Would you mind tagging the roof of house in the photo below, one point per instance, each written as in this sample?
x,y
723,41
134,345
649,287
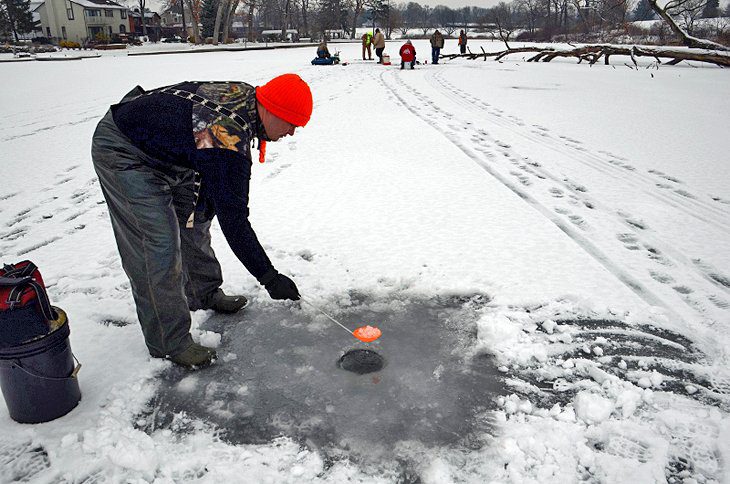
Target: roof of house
x,y
98,4
85,3
137,14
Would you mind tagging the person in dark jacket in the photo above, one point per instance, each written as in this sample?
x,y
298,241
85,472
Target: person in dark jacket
x,y
407,54
322,51
437,43
168,161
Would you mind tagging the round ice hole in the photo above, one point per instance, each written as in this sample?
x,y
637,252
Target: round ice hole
x,y
362,361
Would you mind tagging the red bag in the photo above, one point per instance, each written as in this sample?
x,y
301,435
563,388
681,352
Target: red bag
x,y
25,311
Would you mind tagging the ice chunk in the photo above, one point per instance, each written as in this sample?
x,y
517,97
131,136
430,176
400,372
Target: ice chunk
x,y
592,408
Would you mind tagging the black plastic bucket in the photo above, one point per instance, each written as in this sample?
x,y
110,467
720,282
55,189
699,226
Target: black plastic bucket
x,y
38,378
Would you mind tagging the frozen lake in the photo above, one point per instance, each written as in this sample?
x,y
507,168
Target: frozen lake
x,y
543,245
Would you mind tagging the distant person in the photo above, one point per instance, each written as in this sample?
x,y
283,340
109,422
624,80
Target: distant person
x,y
324,58
437,43
462,42
379,44
367,40
322,51
407,55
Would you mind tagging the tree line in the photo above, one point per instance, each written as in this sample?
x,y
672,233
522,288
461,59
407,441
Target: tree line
x,y
539,20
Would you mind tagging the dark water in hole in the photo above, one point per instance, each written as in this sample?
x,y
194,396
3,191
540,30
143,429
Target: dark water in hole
x,y
361,361
286,379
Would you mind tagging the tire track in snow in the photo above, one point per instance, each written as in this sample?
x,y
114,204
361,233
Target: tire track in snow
x,y
632,283
615,167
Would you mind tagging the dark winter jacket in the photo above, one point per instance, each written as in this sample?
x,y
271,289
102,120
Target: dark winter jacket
x,y
407,52
174,131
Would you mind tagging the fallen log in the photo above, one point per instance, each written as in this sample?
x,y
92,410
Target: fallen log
x,y
592,53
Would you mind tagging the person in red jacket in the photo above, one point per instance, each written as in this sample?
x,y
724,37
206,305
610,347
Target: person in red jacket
x,y
407,54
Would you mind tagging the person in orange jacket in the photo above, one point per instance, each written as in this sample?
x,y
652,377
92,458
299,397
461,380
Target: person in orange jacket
x,y
462,42
407,54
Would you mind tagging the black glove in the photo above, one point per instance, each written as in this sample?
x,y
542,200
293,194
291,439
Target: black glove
x,y
281,287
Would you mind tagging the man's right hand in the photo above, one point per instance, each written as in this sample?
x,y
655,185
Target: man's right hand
x,y
281,287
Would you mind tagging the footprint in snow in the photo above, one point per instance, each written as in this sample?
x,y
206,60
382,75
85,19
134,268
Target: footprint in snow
x,y
693,443
21,462
663,278
524,179
19,217
63,180
633,222
38,245
716,276
621,164
623,446
719,301
684,193
683,290
556,192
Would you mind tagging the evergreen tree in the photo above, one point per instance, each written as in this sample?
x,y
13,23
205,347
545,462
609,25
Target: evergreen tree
x,y
643,11
5,30
712,9
16,17
207,17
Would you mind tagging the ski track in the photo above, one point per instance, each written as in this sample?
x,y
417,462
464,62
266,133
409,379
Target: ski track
x,y
612,165
702,289
609,163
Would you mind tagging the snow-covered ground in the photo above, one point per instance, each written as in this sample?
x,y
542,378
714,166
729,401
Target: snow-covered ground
x,y
577,219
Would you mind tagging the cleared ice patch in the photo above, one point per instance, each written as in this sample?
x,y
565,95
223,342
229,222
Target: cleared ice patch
x,y
288,379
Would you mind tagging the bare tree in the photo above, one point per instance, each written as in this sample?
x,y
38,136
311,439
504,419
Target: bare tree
x,y
141,4
195,7
251,6
228,19
404,23
687,39
444,18
222,6
358,6
425,20
305,16
285,13
504,20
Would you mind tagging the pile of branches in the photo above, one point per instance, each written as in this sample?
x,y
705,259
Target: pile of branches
x,y
594,52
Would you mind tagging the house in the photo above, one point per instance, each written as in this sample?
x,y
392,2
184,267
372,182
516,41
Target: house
x,y
152,24
172,20
82,20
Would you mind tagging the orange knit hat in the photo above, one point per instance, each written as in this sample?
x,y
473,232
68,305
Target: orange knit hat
x,y
287,97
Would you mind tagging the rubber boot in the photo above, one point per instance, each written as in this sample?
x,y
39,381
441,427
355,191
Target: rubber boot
x,y
222,303
195,356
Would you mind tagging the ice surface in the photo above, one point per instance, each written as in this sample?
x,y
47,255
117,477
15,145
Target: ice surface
x,y
592,212
433,390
